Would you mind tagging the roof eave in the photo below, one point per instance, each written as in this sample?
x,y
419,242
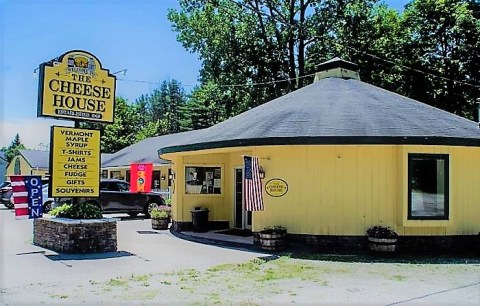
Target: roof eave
x,y
326,140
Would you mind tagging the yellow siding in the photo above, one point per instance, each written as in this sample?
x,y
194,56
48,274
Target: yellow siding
x,y
220,205
25,168
338,190
333,190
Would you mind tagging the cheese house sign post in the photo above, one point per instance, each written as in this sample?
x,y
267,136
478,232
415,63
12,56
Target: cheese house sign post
x,y
74,86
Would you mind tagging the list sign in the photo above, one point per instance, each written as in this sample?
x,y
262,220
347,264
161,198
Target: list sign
x,y
75,162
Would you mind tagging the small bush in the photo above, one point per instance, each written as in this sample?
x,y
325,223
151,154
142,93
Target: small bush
x,y
157,213
379,231
77,211
168,202
277,229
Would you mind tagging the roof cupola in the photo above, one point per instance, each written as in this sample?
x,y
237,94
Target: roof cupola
x,y
337,68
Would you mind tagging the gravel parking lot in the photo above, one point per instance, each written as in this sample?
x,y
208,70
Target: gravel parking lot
x,y
160,269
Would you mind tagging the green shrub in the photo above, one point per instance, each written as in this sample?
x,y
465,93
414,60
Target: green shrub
x,y
168,202
158,214
78,211
277,229
379,231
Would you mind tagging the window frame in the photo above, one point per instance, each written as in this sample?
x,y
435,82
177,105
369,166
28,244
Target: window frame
x,y
446,159
222,174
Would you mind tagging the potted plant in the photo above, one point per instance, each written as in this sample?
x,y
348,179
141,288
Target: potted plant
x,y
273,238
160,219
382,239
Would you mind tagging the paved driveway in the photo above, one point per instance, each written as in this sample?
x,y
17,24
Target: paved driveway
x,y
160,269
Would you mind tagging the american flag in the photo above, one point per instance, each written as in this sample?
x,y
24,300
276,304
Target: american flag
x,y
252,185
27,196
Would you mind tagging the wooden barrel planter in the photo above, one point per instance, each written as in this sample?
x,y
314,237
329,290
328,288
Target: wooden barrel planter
x,y
160,224
273,240
382,244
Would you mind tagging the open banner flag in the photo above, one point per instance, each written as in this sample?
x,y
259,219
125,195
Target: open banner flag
x,y
27,196
252,185
141,177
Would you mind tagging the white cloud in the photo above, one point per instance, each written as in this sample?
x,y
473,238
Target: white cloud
x,y
33,132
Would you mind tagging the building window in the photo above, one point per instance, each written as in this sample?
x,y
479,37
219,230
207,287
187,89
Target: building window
x,y
428,185
104,174
127,176
17,169
116,175
156,180
206,180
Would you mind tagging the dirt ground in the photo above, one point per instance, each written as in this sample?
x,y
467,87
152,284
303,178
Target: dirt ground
x,y
270,282
161,269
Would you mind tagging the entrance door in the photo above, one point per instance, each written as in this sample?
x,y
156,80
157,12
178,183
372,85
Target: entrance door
x,y
243,219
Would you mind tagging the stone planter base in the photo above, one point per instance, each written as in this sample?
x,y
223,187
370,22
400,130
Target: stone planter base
x,y
160,224
382,245
273,242
76,236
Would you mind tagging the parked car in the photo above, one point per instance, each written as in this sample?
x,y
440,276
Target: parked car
x,y
6,194
47,202
115,197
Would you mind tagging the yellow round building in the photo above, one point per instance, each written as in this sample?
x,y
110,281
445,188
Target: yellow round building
x,y
348,156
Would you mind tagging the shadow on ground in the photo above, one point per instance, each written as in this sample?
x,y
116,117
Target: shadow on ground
x,y
89,256
369,257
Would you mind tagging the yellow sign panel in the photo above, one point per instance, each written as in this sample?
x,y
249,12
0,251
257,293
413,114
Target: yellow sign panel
x,y
276,187
75,87
75,162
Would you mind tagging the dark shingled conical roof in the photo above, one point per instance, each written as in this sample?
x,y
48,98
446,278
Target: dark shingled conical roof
x,y
335,111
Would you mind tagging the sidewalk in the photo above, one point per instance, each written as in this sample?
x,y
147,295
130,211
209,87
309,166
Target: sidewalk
x,y
218,239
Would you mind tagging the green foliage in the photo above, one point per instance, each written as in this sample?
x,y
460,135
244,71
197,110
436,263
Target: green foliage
x,y
277,229
379,231
77,211
158,214
205,107
168,202
442,38
162,111
245,42
12,150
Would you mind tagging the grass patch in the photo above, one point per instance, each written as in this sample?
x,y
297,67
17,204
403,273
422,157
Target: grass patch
x,y
140,278
117,282
399,277
59,296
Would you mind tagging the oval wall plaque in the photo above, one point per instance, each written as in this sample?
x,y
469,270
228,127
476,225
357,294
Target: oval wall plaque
x,y
276,187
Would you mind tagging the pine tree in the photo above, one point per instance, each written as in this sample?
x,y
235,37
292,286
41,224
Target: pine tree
x,y
13,150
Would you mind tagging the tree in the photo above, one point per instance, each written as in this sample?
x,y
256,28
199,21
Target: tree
x,y
362,31
247,42
175,100
205,108
13,149
164,106
152,129
123,131
442,38
256,50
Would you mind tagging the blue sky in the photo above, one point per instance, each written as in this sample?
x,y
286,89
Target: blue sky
x,y
132,35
